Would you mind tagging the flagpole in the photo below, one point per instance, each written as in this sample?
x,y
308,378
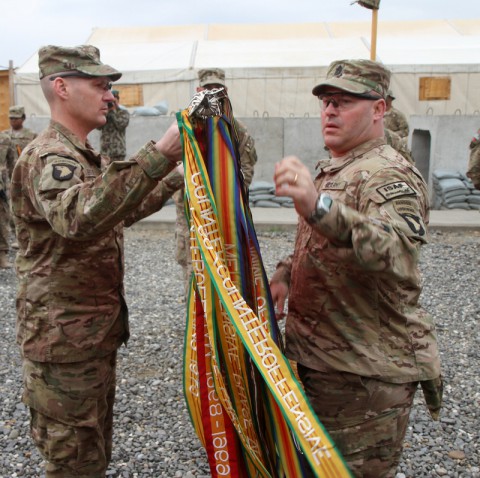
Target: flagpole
x,y
373,46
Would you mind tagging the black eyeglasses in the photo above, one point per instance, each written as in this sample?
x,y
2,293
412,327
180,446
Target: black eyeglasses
x,y
106,86
343,101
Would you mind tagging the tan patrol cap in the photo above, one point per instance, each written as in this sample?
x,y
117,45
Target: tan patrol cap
x,y
16,112
84,59
357,77
212,76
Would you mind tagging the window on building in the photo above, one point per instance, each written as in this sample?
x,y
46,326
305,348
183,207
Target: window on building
x,y
130,95
435,88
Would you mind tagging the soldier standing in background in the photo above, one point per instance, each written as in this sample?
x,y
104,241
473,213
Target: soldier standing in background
x,y
399,144
7,159
473,171
19,135
395,120
69,206
361,341
208,80
113,141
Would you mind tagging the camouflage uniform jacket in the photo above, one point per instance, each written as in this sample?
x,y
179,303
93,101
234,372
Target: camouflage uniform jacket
x,y
20,139
473,171
396,121
354,277
69,208
113,139
7,159
248,154
399,144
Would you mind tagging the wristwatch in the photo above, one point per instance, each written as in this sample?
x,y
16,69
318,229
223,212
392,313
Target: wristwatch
x,y
322,207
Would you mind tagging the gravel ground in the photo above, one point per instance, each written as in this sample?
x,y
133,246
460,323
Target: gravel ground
x,y
153,434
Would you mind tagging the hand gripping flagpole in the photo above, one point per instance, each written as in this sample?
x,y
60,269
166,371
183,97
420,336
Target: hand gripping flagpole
x,y
246,406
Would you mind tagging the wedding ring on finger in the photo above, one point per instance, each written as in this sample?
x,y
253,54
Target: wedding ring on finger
x,y
295,179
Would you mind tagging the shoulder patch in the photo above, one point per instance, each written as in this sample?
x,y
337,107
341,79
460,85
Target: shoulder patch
x,y
59,172
395,190
407,212
63,171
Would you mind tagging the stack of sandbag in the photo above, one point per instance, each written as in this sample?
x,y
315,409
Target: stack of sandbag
x,y
474,198
262,194
146,111
453,190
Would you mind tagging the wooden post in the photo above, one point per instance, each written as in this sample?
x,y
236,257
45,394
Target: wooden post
x,y
373,46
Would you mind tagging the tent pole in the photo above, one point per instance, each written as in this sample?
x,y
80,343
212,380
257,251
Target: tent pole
x,y
373,46
11,89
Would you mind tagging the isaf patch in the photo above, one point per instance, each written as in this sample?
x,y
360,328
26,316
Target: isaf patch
x,y
396,190
63,171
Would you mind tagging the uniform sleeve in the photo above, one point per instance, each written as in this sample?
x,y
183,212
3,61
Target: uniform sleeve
x,y
7,160
248,158
388,229
79,204
156,199
473,171
11,156
248,154
283,271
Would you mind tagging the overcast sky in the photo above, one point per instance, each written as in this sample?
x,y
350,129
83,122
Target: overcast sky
x,y
25,25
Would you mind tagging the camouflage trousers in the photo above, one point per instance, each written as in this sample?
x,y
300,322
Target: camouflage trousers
x,y
71,409
4,225
366,418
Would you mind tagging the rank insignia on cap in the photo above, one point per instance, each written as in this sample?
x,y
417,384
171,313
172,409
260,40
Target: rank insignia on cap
x,y
63,172
338,71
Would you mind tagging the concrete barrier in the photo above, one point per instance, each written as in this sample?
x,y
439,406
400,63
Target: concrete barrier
x,y
437,142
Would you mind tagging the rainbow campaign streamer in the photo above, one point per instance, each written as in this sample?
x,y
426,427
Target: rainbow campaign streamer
x,y
246,406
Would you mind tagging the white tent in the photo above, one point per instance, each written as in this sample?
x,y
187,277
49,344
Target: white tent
x,y
271,69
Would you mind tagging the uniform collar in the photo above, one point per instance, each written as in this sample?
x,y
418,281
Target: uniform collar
x,y
86,149
335,164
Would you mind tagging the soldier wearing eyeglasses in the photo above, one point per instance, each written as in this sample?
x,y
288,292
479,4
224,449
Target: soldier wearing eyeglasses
x,y
70,205
354,325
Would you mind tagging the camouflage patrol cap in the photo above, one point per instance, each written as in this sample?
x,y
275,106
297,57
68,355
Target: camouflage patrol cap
x,y
16,112
357,77
390,94
212,76
84,59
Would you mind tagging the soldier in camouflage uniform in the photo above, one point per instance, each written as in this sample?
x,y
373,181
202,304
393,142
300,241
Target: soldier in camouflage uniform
x,y
474,163
398,143
113,139
7,159
354,326
394,119
19,135
209,79
70,205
